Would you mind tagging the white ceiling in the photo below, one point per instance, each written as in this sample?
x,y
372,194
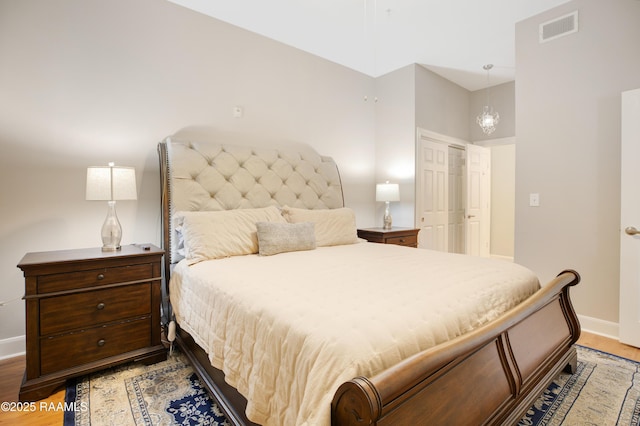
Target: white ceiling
x,y
453,38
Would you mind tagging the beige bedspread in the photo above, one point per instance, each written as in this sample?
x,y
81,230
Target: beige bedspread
x,y
288,329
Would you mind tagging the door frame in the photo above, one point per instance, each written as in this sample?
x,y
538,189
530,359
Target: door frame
x,y
629,302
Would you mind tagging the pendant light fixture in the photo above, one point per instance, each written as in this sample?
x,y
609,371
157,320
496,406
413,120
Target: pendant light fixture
x,y
488,119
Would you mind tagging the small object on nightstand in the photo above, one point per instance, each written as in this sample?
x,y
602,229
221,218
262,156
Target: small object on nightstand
x,y
399,236
87,310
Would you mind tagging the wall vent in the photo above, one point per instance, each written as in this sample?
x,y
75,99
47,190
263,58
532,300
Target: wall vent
x,y
559,27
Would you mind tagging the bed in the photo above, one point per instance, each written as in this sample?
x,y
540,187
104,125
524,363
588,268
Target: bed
x,y
289,318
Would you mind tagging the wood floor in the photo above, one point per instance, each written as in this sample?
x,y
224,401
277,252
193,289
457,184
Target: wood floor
x,y
47,411
11,372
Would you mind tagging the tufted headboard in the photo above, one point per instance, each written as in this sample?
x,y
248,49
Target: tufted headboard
x,y
205,176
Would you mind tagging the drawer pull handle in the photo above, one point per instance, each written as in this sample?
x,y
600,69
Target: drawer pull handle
x,y
100,306
402,240
100,277
101,342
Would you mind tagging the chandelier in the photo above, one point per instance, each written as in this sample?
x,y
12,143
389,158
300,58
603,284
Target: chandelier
x,y
488,119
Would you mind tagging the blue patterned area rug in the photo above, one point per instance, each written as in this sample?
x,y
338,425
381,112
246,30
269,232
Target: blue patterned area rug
x,y
604,391
166,393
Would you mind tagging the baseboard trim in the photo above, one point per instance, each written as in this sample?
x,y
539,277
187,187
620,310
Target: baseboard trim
x,y
501,257
12,347
600,327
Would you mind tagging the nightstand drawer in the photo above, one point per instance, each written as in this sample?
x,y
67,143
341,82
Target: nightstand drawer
x,y
81,310
93,277
70,350
409,240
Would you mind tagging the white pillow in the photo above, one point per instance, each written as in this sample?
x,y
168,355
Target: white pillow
x,y
274,237
218,234
332,227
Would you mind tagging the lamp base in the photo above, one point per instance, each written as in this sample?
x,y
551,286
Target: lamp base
x,y
386,224
111,230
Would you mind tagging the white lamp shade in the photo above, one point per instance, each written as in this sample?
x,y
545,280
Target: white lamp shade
x,y
111,183
387,192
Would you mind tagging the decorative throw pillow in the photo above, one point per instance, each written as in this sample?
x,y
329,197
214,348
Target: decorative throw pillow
x,y
218,234
274,237
332,226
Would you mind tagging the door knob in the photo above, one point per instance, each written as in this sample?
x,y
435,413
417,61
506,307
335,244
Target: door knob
x,y
631,230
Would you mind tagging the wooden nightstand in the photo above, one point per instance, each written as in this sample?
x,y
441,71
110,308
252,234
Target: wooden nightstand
x,y
87,310
400,236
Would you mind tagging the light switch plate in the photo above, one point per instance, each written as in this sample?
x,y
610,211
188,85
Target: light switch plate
x,y
534,200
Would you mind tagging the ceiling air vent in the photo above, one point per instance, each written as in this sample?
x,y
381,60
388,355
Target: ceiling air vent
x,y
559,27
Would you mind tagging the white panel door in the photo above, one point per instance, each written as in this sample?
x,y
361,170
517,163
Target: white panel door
x,y
457,182
478,208
434,183
630,220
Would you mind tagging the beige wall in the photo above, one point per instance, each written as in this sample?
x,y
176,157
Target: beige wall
x,y
84,82
568,147
503,183
502,98
441,105
395,141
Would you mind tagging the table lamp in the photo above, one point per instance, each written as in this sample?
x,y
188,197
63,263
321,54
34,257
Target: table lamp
x,y
387,192
111,183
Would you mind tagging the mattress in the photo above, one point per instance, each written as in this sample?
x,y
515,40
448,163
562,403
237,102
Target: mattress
x,y
288,329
